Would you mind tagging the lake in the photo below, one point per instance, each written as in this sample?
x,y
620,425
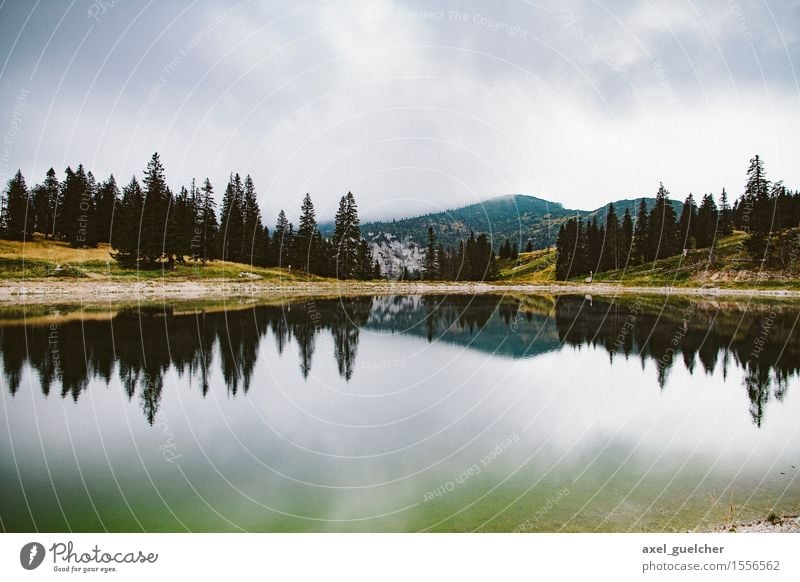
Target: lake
x,y
400,413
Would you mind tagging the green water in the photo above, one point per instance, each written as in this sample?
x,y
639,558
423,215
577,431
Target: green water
x,y
401,413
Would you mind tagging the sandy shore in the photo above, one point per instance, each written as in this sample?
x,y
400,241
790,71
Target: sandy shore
x,y
83,291
786,524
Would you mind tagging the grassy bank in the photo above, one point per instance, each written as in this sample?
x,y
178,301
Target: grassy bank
x,y
41,270
727,267
55,260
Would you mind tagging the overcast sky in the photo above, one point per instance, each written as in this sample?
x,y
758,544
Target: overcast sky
x,y
414,106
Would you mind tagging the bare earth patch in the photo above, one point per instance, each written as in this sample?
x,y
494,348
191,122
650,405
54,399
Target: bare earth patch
x,y
95,290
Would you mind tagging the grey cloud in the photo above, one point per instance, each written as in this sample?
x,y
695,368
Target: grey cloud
x,y
413,105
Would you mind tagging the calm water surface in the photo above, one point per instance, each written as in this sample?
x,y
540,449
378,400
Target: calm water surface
x,y
400,413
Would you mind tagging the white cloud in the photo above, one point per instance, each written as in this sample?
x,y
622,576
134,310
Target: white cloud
x,y
418,110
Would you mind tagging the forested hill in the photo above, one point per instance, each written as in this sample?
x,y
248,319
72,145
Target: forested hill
x,y
516,217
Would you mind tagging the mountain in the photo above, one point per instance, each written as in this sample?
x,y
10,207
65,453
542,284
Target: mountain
x,y
399,243
514,216
477,322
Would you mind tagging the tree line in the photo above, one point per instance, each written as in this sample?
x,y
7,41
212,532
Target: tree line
x,y
766,210
149,226
470,260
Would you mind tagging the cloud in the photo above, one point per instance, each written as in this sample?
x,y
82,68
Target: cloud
x,y
412,105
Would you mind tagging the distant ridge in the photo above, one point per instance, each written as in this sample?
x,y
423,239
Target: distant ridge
x,y
517,217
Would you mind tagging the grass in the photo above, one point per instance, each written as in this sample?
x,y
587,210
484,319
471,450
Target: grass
x,y
533,267
774,518
729,267
40,259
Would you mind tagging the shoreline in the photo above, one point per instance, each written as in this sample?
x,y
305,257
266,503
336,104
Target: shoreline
x,y
82,291
783,524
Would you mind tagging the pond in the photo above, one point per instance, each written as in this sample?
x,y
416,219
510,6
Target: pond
x,y
400,413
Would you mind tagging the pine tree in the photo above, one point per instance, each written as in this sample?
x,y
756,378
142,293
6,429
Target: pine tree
x,y
303,249
207,247
251,223
76,216
567,249
594,244
445,262
45,202
505,250
180,225
364,264
707,222
106,198
320,257
757,210
155,213
346,237
38,206
529,246
125,235
19,217
641,252
484,261
232,219
626,238
472,268
281,241
432,266
725,215
611,245
687,224
662,233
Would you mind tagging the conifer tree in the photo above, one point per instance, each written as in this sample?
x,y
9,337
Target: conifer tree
x,y
106,198
207,248
707,222
19,217
155,213
662,231
76,216
593,247
53,188
432,266
641,252
758,209
725,215
346,237
505,250
252,226
626,238
45,202
567,250
687,224
303,247
320,258
364,264
232,221
180,225
125,235
611,245
483,259
281,241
